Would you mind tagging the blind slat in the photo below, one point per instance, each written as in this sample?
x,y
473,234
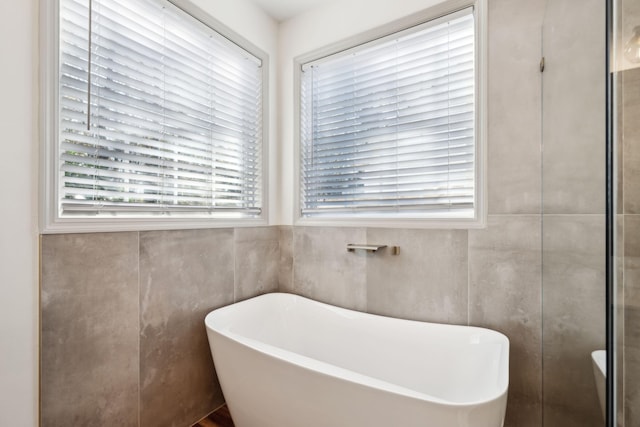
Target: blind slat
x,y
358,179
408,67
390,127
436,127
186,142
403,144
176,113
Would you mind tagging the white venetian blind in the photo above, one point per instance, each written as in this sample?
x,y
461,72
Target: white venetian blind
x,y
158,113
388,128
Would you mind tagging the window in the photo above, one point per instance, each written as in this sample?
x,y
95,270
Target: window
x,y
389,129
158,115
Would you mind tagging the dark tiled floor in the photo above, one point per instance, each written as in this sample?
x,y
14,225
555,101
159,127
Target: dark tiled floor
x,y
219,418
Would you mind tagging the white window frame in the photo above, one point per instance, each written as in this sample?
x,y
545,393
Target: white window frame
x,y
50,219
480,208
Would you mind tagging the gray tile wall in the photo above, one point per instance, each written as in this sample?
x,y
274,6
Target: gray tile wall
x,y
515,105
574,107
183,276
322,272
430,288
574,317
573,178
89,337
629,321
619,313
489,277
630,111
257,261
631,345
123,337
505,295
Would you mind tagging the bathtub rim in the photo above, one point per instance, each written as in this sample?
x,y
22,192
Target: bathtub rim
x,y
328,369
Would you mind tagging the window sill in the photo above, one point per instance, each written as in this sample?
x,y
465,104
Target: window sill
x,y
101,225
432,223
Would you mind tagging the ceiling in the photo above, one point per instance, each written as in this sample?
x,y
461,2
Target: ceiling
x,y
281,10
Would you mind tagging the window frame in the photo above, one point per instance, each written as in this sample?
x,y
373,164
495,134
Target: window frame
x,y
50,220
435,12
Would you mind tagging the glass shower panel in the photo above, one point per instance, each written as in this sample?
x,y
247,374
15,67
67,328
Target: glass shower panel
x,y
625,65
573,209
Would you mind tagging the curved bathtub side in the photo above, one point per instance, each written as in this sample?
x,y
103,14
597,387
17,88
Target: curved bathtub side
x,y
263,390
266,382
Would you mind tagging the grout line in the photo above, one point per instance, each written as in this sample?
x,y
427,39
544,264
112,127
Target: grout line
x,y
39,334
542,215
469,278
207,415
139,334
622,322
366,272
293,261
280,270
542,323
235,231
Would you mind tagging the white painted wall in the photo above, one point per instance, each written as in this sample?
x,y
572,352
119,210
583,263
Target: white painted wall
x,y
319,27
18,218
252,23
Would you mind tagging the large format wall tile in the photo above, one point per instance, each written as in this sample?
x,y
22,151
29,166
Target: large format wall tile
x,y
632,262
285,274
619,313
619,146
632,386
514,106
505,295
183,276
426,281
574,313
630,127
325,271
574,107
89,335
632,319
257,261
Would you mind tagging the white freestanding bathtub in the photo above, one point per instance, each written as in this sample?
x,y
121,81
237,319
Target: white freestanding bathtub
x,y
287,361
